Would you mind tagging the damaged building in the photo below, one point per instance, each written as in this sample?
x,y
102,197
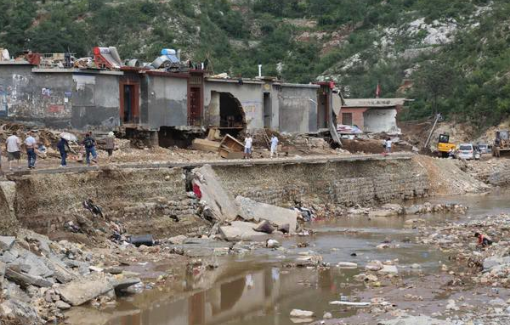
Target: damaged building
x,y
372,115
114,96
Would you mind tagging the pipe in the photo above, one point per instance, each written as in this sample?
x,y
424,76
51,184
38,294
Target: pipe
x,y
260,70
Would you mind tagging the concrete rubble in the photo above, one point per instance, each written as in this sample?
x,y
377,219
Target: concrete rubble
x,y
40,278
214,196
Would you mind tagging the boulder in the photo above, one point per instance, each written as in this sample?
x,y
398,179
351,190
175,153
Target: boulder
x,y
177,240
254,211
221,204
240,230
85,289
265,227
62,305
374,266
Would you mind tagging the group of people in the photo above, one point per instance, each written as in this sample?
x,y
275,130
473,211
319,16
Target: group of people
x,y
248,146
13,147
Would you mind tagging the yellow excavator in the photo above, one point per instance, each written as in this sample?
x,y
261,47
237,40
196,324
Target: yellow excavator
x,y
444,147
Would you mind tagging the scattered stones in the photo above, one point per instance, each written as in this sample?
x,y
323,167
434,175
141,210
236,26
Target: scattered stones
x,y
6,242
327,315
62,305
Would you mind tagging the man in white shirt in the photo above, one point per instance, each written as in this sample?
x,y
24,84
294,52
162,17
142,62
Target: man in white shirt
x,y
13,144
274,146
31,143
248,141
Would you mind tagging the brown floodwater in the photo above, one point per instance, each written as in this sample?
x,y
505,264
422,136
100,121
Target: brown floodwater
x,y
256,288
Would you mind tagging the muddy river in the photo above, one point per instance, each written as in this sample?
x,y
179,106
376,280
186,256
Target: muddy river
x,y
256,288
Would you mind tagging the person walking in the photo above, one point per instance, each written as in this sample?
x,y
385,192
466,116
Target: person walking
x,y
274,146
30,144
388,145
248,143
13,144
110,145
90,148
63,147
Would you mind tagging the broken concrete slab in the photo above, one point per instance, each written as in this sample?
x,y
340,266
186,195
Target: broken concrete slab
x,y
25,280
221,203
239,230
254,211
85,289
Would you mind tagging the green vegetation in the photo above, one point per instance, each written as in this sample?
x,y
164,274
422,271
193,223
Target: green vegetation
x,y
466,79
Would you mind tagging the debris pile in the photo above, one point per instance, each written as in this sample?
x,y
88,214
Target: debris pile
x,y
486,265
42,278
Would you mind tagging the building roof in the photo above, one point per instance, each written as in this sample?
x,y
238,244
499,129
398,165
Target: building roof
x,y
374,102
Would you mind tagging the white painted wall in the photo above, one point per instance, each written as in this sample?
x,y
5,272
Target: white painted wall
x,y
381,120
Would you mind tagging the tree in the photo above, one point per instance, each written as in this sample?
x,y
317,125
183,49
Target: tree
x,y
433,81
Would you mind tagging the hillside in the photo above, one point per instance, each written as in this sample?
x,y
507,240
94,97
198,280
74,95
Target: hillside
x,y
451,56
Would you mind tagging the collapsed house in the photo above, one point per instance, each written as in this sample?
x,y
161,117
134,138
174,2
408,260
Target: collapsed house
x,y
372,115
113,95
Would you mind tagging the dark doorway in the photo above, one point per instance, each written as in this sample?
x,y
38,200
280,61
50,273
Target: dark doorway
x,y
129,103
232,120
322,109
347,119
268,111
195,106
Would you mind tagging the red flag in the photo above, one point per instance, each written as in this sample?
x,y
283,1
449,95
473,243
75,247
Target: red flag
x,y
378,91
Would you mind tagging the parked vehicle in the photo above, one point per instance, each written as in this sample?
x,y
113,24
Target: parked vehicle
x,y
468,151
484,148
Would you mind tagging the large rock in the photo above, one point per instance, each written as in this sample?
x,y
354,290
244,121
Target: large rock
x,y
6,242
493,261
254,211
36,265
22,312
82,290
25,280
239,230
220,202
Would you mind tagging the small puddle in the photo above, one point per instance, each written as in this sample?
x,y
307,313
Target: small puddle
x,y
257,289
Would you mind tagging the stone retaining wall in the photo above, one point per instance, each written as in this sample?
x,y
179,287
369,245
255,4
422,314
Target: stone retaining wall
x,y
149,198
344,183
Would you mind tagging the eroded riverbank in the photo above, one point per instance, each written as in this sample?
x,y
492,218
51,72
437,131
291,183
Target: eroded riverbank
x,y
261,287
